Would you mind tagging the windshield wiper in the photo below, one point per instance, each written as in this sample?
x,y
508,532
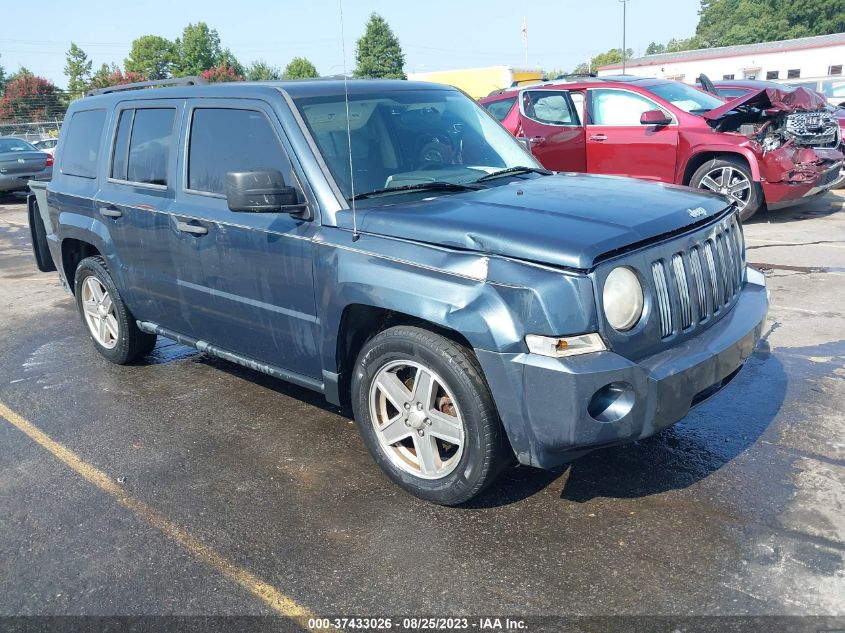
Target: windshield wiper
x,y
437,185
515,171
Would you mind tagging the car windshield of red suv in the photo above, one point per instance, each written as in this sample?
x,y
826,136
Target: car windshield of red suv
x,y
686,97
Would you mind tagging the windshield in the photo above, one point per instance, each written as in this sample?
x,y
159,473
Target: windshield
x,y
408,137
14,145
686,97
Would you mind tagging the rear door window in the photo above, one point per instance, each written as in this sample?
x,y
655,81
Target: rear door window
x,y
224,140
142,146
81,146
551,107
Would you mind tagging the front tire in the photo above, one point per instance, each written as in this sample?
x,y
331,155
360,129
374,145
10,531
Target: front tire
x,y
426,415
731,177
110,323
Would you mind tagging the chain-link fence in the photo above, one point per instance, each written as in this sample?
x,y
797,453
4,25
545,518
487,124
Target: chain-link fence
x,y
31,130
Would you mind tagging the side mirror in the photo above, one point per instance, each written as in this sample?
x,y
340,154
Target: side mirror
x,y
655,117
261,191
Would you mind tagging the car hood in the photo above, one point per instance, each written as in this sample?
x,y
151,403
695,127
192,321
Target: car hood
x,y
773,100
567,220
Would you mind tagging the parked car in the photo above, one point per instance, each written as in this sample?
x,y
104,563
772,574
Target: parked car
x,y
731,89
20,162
401,252
754,151
46,145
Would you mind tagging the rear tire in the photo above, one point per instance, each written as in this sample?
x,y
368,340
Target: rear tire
x,y
110,323
425,412
731,177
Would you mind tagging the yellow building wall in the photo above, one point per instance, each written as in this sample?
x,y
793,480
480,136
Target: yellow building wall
x,y
479,82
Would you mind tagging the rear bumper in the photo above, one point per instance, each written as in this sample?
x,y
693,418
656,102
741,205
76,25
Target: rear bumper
x,y
19,182
545,402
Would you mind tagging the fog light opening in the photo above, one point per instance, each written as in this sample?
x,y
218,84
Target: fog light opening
x,y
612,402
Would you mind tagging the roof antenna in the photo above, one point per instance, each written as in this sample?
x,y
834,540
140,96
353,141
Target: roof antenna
x,y
355,234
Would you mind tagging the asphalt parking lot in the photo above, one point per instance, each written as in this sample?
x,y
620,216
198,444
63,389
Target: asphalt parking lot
x,y
198,484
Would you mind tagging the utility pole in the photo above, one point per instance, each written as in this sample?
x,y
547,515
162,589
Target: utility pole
x,y
624,28
525,39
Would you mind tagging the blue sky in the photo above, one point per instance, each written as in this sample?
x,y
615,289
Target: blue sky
x,y
435,34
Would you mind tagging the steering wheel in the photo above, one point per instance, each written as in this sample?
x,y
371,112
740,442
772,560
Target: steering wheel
x,y
434,155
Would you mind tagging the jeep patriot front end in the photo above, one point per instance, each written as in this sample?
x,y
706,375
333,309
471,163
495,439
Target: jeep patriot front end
x,y
389,244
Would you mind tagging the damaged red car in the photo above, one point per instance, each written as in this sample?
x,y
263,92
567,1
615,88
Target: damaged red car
x,y
769,148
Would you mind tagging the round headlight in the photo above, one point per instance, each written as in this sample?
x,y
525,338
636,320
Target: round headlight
x,y
623,299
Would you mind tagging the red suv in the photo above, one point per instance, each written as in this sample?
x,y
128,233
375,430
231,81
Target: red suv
x,y
770,147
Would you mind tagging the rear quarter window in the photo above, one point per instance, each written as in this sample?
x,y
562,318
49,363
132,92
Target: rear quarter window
x,y
81,149
500,109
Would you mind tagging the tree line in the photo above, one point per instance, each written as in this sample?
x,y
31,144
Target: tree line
x,y
197,52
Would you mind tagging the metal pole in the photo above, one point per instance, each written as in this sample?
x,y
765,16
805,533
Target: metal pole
x,y
624,29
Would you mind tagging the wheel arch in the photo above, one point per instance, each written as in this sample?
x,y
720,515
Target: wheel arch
x,y
74,250
704,155
360,322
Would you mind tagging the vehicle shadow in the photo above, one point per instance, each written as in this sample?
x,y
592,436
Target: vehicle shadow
x,y
708,438
821,207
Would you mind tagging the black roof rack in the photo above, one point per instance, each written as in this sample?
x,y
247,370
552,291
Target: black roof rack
x,y
138,85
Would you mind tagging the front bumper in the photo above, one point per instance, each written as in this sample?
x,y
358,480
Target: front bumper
x,y
783,194
543,402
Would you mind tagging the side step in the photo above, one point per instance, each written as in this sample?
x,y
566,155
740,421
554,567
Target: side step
x,y
245,361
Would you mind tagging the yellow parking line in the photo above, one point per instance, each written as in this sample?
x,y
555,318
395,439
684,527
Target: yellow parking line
x,y
274,598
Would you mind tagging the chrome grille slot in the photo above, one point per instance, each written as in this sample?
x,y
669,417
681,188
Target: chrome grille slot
x,y
698,277
683,290
730,247
716,297
694,285
723,268
662,290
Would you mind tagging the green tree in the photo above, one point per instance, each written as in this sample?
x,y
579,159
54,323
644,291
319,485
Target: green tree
x,y
613,56
378,52
259,70
198,50
227,59
300,68
77,70
2,78
151,56
111,75
655,49
730,22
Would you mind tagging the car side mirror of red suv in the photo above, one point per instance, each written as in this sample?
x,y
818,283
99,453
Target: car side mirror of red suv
x,y
655,117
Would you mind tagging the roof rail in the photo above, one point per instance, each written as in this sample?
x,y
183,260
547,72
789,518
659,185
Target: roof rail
x,y
138,85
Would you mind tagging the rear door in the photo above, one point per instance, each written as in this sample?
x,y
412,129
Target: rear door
x,y
551,123
618,144
257,277
135,201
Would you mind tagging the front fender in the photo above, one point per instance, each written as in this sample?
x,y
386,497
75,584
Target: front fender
x,y
719,148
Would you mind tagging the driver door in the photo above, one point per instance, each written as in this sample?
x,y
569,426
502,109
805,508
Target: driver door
x,y
552,126
618,144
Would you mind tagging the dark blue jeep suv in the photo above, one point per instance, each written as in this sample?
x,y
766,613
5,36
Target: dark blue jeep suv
x,y
389,244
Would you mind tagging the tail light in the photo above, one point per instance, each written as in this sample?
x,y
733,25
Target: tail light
x,y
49,160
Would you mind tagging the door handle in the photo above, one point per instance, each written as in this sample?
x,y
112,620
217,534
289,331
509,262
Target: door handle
x,y
537,139
598,137
111,212
193,229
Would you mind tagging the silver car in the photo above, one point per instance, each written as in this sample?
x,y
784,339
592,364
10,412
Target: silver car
x,y
20,162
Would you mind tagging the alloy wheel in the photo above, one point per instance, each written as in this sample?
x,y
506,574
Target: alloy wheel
x,y
728,181
99,311
416,419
